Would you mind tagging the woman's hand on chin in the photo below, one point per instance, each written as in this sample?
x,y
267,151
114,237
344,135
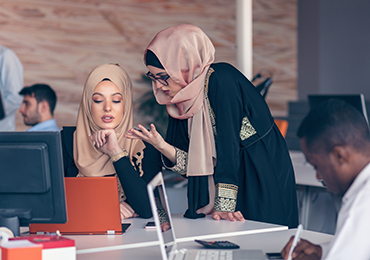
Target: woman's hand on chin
x,y
106,142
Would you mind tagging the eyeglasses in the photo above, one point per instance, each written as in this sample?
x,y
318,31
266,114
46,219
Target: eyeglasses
x,y
160,79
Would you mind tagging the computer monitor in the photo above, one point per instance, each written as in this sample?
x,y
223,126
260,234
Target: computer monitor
x,y
356,100
31,179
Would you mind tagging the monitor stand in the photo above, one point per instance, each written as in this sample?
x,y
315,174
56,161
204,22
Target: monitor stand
x,y
9,218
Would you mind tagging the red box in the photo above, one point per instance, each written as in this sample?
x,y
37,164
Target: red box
x,y
54,247
20,249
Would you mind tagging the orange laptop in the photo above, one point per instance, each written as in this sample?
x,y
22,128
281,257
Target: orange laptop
x,y
92,208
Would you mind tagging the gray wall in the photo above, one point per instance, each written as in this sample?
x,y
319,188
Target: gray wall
x,y
333,47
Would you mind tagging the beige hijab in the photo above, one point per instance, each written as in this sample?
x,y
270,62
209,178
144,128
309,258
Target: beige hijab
x,y
90,161
186,54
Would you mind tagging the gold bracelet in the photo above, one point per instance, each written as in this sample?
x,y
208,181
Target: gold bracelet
x,y
116,157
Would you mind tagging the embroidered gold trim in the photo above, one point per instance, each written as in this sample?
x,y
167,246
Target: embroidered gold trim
x,y
211,112
139,156
116,157
121,193
181,162
163,217
247,130
226,195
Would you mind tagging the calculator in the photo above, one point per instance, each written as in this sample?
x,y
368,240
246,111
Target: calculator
x,y
217,244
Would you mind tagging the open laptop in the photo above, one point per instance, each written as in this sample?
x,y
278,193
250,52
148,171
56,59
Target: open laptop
x,y
167,240
92,208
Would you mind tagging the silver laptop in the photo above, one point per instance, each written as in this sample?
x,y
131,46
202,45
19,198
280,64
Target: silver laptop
x,y
167,240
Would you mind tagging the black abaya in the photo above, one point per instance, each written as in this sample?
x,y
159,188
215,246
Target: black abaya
x,y
255,159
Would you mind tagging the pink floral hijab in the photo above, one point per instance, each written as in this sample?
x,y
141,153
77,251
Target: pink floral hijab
x,y
186,54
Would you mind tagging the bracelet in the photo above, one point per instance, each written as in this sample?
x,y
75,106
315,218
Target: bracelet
x,y
116,157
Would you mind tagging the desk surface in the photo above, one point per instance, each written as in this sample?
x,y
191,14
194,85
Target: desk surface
x,y
268,242
185,230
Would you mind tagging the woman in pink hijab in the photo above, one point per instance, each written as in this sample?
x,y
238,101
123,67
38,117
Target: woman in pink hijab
x,y
221,135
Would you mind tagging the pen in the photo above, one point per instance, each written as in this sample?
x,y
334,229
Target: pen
x,y
297,237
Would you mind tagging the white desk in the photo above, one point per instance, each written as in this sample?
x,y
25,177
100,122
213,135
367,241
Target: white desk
x,y
185,229
267,241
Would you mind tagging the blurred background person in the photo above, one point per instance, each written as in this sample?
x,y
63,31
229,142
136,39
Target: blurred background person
x,y
38,106
11,82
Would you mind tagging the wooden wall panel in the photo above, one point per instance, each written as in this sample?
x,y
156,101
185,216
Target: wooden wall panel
x,y
60,41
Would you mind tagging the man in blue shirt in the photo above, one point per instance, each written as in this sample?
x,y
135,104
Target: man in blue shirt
x,y
38,107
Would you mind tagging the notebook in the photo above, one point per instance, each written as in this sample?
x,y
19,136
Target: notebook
x,y
92,208
167,240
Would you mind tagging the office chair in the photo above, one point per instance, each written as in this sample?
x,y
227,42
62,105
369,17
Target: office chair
x,y
282,125
264,86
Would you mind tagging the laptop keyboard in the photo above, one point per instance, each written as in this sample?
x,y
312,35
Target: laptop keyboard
x,y
209,255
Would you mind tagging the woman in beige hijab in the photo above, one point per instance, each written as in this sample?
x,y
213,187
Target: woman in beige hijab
x,y
97,146
221,134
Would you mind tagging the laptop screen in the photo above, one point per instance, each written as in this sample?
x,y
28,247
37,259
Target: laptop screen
x,y
157,189
167,239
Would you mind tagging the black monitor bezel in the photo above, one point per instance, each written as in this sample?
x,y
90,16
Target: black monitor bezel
x,y
56,192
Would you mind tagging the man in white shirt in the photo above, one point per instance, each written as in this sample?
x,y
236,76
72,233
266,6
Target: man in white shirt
x,y
38,107
11,82
335,139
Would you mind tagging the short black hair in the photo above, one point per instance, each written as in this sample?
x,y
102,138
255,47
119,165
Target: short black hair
x,y
335,122
41,92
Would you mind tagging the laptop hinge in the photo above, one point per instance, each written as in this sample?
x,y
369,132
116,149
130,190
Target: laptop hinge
x,y
111,232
